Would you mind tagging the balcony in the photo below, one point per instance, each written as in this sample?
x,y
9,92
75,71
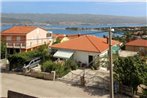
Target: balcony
x,y
16,45
27,44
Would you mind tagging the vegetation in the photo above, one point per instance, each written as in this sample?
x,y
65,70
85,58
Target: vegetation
x,y
19,59
130,71
71,64
57,41
43,52
144,95
3,49
60,69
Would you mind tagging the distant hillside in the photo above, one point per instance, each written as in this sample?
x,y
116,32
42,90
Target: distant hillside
x,y
70,19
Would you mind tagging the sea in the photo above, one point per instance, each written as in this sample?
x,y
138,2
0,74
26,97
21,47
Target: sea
x,y
60,29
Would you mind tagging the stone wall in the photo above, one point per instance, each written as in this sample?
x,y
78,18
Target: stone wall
x,y
41,75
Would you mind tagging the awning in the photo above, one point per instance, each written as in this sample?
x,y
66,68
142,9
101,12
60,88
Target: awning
x,y
63,54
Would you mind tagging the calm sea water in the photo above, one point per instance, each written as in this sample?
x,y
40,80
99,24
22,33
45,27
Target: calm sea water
x,y
61,29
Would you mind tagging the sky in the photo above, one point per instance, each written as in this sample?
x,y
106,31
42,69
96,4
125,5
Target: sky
x,y
119,8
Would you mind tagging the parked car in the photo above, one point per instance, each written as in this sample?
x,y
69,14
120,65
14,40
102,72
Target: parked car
x,y
33,63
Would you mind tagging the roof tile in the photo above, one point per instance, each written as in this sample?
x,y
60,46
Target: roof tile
x,y
85,43
19,30
138,42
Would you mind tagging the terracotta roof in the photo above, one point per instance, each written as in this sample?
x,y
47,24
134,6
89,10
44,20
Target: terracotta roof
x,y
19,30
138,42
72,36
87,43
60,36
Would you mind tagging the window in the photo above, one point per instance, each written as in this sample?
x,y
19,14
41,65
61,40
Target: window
x,y
8,38
18,38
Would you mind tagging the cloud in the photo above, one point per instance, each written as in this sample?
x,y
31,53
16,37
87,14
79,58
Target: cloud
x,y
78,0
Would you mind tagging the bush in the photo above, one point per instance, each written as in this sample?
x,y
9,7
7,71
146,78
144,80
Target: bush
x,y
49,66
71,64
18,59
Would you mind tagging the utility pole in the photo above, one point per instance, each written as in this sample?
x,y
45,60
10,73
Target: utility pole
x,y
110,63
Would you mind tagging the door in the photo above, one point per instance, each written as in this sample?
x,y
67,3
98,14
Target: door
x,y
90,60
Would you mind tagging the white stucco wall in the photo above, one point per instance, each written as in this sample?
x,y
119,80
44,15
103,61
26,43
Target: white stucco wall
x,y
104,53
38,35
83,56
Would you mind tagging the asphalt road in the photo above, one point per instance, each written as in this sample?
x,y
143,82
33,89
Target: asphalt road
x,y
44,88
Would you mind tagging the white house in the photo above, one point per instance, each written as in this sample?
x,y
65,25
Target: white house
x,y
84,49
24,38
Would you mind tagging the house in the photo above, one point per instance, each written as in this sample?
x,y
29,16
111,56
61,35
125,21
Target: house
x,y
63,37
58,36
24,38
84,49
70,36
139,45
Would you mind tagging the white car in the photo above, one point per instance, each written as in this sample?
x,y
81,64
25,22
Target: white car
x,y
33,63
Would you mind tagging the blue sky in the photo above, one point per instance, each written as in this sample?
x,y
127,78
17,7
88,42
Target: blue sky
x,y
105,8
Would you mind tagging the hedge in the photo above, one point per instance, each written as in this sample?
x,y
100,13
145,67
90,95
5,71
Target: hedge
x,y
19,59
60,69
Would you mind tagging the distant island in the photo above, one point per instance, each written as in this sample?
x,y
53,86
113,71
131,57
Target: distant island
x,y
69,19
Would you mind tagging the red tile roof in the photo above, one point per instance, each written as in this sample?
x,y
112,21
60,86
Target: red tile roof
x,y
60,36
138,42
87,43
72,36
19,30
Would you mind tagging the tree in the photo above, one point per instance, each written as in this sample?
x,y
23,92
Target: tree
x,y
57,41
43,52
128,36
3,49
130,71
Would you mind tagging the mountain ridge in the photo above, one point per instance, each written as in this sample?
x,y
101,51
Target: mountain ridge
x,y
70,19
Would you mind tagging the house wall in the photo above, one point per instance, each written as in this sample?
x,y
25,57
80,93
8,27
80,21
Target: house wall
x,y
14,40
84,56
142,50
36,37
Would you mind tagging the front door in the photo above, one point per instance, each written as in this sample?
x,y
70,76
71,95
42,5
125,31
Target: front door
x,y
90,60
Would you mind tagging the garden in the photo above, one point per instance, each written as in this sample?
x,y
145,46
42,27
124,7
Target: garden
x,y
18,60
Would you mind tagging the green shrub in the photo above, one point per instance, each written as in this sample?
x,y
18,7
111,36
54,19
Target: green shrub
x,y
60,69
57,41
48,66
71,64
18,59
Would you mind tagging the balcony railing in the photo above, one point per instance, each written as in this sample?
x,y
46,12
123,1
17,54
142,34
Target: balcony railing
x,y
27,44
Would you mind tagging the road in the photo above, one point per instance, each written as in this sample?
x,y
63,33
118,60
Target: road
x,y
44,88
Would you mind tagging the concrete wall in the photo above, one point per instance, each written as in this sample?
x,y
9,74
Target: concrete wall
x,y
38,35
